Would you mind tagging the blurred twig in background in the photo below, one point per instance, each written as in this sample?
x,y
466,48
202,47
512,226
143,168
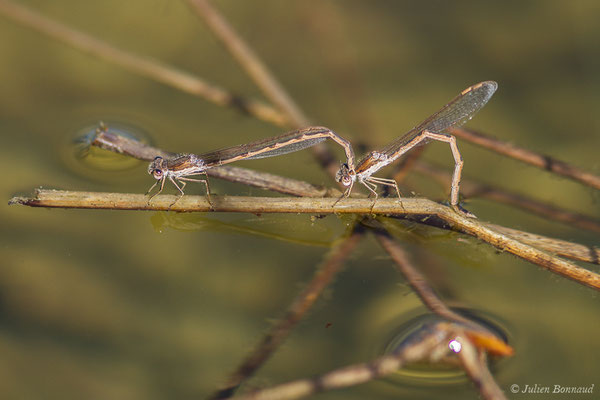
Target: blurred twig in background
x,y
527,156
143,66
324,275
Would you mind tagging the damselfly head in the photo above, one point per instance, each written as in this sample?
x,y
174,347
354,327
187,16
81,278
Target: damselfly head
x,y
157,168
343,175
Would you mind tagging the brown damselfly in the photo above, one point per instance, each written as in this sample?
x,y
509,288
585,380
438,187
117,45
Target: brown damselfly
x,y
461,109
180,168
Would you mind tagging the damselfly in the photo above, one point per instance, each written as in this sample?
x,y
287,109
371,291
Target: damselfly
x,y
461,109
179,169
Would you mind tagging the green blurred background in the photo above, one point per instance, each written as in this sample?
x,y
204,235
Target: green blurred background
x,y
137,305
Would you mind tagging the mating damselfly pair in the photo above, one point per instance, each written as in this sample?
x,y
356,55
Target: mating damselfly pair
x,y
180,169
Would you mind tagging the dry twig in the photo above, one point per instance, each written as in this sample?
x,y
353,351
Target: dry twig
x,y
246,57
530,157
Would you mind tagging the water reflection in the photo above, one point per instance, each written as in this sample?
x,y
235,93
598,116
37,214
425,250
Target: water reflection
x,y
306,231
85,160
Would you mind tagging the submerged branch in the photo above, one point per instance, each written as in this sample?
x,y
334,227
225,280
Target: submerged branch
x,y
418,282
299,307
470,357
353,374
475,365
430,345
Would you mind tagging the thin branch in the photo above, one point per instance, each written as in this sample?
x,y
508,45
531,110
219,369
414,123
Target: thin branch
x,y
421,209
272,182
471,189
325,23
303,302
144,66
530,157
105,139
246,57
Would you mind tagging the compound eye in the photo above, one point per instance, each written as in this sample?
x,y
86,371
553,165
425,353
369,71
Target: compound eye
x,y
157,173
342,174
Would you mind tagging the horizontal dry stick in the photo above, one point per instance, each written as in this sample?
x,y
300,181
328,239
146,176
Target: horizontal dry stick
x,y
421,208
144,66
471,188
530,157
254,205
329,269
